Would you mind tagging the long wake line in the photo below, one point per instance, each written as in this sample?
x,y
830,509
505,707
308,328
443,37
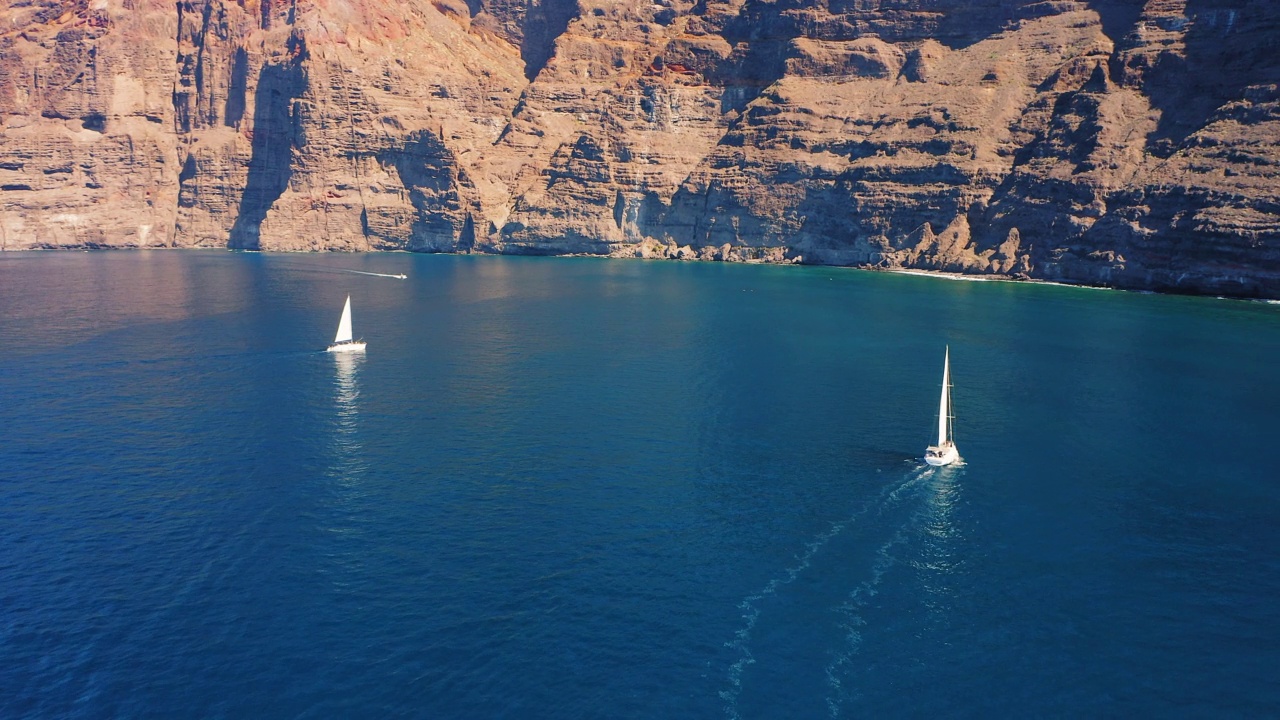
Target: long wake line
x,y
858,598
749,605
374,274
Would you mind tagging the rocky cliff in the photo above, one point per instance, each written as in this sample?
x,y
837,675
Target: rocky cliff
x,y
1133,143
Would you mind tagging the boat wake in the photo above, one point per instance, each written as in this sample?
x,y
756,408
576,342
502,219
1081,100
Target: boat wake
x,y
374,274
305,267
925,526
751,606
858,598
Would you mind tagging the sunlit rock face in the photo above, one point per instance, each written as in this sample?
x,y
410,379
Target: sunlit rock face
x,y
1125,142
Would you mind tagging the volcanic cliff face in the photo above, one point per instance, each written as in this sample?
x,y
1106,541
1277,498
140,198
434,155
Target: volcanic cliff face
x,y
1126,142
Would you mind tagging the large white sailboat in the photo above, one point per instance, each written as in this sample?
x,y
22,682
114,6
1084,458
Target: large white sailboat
x,y
342,342
945,452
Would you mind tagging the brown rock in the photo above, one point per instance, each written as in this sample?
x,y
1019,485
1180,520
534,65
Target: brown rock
x,y
1125,142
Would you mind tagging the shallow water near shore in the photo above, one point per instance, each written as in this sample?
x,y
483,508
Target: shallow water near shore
x,y
606,488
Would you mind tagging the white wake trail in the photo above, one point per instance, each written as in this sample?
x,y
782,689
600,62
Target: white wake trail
x,y
750,605
374,274
859,597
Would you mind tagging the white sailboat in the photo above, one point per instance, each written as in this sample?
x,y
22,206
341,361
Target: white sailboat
x,y
945,452
342,342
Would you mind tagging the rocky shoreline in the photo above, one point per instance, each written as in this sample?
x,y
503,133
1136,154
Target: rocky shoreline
x,y
1119,143
710,256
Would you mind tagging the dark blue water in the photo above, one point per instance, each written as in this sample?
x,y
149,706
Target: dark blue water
x,y
570,488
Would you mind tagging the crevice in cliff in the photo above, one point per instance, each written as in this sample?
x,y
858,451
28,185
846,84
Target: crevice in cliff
x,y
467,238
192,96
201,41
178,97
233,110
274,137
356,158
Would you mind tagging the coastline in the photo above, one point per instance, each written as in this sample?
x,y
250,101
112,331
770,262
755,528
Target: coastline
x,y
792,261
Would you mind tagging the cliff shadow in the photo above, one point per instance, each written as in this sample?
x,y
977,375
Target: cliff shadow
x,y
1119,17
545,22
762,34
1229,46
275,135
428,171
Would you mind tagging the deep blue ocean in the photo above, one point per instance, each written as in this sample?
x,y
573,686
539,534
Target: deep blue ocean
x,y
582,488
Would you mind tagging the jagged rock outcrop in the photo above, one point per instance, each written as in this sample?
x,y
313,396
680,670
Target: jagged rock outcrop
x,y
1134,143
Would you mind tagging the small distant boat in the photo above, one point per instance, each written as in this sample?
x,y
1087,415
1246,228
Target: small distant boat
x,y
945,452
342,342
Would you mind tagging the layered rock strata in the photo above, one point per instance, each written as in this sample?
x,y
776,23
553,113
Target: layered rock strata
x,y
1123,142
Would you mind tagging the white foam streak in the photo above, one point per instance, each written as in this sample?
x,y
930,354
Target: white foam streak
x,y
937,512
852,606
374,274
750,607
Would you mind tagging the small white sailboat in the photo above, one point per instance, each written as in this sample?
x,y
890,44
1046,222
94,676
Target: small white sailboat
x,y
342,342
945,452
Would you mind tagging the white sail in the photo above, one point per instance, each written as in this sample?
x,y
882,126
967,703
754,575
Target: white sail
x,y
344,325
945,452
944,405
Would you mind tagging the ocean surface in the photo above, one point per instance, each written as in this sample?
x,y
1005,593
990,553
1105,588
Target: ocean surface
x,y
581,488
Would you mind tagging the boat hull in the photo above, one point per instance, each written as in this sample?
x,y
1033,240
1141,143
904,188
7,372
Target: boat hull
x,y
939,456
346,347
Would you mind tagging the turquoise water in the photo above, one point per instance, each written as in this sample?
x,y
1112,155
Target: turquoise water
x,y
589,488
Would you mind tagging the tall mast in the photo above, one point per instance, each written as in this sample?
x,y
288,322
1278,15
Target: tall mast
x,y
944,404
